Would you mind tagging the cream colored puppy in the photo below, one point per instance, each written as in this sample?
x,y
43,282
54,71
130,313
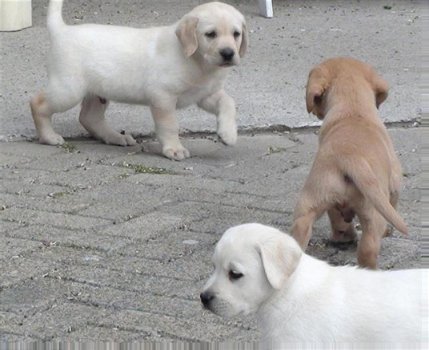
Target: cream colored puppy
x,y
164,67
300,299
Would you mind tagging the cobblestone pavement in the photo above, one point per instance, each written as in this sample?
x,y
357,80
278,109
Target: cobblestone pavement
x,y
103,242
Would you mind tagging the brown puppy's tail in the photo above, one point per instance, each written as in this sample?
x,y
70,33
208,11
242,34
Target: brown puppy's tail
x,y
363,177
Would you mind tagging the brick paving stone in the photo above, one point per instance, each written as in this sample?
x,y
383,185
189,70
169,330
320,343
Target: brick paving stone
x,y
114,334
159,326
12,248
144,226
131,281
170,246
113,202
55,202
13,153
17,187
123,256
28,216
79,239
7,226
61,320
80,178
20,269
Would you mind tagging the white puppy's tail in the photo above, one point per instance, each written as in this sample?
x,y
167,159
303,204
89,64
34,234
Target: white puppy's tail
x,y
55,18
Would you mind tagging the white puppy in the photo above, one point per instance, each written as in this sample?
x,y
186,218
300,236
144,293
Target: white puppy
x,y
299,299
164,67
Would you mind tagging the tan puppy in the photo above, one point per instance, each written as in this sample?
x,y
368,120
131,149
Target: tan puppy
x,y
164,68
356,170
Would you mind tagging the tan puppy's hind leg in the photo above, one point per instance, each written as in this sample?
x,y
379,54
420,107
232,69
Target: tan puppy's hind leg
x,y
373,228
302,229
306,212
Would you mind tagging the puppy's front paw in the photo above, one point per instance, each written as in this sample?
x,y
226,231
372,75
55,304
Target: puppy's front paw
x,y
51,139
176,153
228,136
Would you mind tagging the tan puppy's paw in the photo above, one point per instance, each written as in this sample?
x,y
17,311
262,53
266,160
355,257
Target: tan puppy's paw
x,y
176,153
347,236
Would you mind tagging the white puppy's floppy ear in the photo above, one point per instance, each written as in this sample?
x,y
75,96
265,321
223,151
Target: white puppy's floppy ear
x,y
186,32
280,257
244,40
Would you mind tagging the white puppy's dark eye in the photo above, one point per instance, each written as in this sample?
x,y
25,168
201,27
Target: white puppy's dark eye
x,y
236,34
234,275
211,35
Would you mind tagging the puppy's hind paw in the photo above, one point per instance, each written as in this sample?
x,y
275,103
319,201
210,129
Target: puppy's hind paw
x,y
130,140
177,153
51,139
120,140
343,237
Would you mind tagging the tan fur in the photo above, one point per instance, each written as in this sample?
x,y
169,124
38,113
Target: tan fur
x,y
356,170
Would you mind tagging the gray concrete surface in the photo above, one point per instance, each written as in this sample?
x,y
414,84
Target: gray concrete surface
x,y
101,242
268,87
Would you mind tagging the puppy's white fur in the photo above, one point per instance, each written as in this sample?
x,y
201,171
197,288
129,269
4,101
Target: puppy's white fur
x,y
163,67
300,299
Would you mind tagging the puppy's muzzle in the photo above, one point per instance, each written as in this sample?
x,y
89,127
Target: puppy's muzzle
x,y
227,54
206,298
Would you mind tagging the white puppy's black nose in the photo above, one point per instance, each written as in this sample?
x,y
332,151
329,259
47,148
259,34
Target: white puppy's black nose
x,y
206,297
227,54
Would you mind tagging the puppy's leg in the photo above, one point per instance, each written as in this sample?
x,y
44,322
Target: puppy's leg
x,y
167,132
60,95
42,116
92,118
306,212
373,228
302,228
341,231
223,106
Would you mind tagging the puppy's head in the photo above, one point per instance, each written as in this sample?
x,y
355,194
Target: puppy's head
x,y
216,32
251,262
342,78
